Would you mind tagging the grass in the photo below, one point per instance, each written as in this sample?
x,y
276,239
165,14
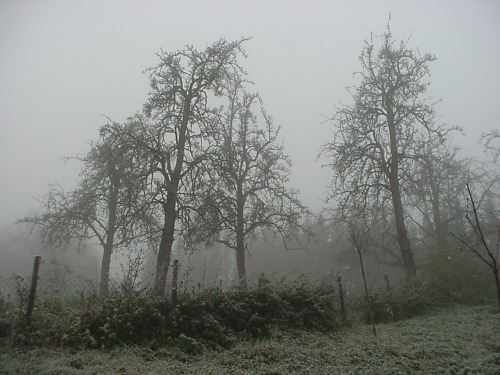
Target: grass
x,y
438,343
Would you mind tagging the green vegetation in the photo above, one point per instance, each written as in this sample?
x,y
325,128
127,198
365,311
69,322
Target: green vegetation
x,y
440,343
461,276
267,328
210,318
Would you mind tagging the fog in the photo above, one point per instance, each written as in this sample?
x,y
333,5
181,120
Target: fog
x,y
64,66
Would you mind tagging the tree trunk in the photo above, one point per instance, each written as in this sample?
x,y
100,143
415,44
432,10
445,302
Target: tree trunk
x,y
110,235
105,266
404,243
497,283
169,207
402,235
165,249
240,264
393,174
440,227
240,238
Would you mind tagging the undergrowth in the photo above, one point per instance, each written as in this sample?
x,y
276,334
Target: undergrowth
x,y
444,342
206,319
210,318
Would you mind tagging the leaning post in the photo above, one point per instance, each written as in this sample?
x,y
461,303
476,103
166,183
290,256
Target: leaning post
x,y
341,297
34,282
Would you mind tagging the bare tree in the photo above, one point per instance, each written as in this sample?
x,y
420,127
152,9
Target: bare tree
x,y
491,143
358,238
478,243
435,194
248,181
175,133
377,138
104,206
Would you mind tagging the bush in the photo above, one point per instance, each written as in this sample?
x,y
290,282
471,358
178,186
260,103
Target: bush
x,y
126,316
310,306
5,326
411,299
462,277
50,321
197,318
217,319
210,318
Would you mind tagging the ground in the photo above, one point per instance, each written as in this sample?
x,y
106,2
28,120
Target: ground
x,y
442,342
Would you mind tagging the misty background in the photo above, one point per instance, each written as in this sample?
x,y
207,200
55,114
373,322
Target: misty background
x,y
66,66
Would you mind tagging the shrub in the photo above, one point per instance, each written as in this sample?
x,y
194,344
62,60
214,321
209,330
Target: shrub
x,y
461,276
210,318
310,306
458,279
410,299
196,318
217,319
50,321
5,325
126,316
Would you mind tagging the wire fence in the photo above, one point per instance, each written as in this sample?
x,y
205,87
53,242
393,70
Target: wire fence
x,y
54,281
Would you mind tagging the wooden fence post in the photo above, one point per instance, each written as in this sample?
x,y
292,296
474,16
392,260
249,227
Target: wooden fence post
x,y
341,297
387,285
175,282
34,282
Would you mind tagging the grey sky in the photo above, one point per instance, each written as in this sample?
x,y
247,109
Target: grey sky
x,y
65,64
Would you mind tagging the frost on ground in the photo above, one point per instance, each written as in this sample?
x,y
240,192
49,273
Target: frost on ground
x,y
468,343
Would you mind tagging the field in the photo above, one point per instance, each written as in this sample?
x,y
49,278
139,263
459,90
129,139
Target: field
x,y
435,343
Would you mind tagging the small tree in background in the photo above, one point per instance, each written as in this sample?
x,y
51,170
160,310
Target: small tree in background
x,y
486,249
356,233
491,143
436,193
106,205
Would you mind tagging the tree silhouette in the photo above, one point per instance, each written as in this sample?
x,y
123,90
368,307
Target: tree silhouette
x,y
176,131
106,205
377,138
247,181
